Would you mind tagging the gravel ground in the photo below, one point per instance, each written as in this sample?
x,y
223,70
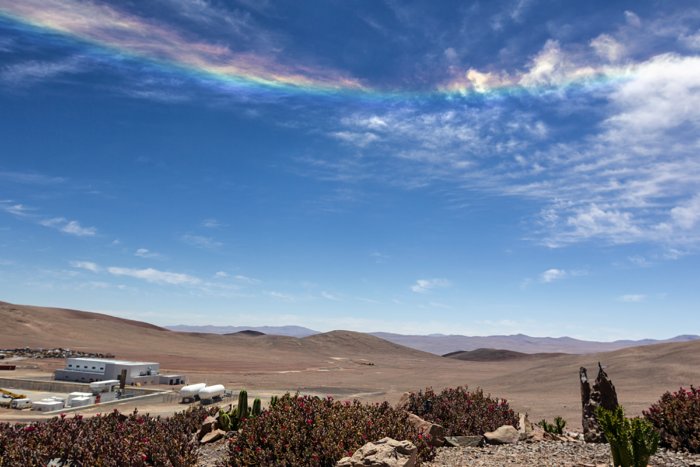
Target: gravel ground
x,y
544,453
549,453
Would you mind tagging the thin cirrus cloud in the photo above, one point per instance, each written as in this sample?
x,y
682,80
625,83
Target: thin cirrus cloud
x,y
69,226
200,241
123,33
633,178
426,285
146,253
28,72
632,298
87,265
155,276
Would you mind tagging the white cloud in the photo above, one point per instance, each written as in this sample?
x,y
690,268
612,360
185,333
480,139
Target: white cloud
x,y
551,275
211,223
426,285
200,241
608,48
360,139
24,73
155,276
246,279
632,298
221,274
146,253
330,296
15,209
30,178
70,227
87,265
632,19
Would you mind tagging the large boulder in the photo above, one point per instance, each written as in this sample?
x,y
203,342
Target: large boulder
x,y
506,434
434,433
212,436
386,452
602,394
208,425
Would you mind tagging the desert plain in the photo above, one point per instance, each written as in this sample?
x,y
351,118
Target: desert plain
x,y
345,364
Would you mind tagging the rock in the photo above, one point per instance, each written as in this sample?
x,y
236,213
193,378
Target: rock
x,y
386,452
434,433
464,441
505,434
525,428
212,436
403,401
208,425
602,394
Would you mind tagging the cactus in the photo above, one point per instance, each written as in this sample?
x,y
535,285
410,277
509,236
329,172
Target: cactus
x,y
273,401
224,421
257,407
234,418
632,441
556,428
243,405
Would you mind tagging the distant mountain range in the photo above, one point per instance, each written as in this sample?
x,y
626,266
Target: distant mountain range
x,y
441,344
291,331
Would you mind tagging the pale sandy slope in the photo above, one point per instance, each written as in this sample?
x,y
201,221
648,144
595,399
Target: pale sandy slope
x,y
338,363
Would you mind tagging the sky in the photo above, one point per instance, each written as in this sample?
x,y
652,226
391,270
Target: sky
x,y
456,167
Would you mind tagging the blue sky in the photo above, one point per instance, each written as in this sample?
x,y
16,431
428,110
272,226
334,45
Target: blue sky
x,y
417,167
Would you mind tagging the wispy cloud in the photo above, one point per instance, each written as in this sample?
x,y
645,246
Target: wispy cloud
x,y
146,253
69,226
211,223
219,65
426,285
26,73
61,224
246,279
87,265
551,275
155,276
632,298
330,296
30,178
16,209
201,241
632,177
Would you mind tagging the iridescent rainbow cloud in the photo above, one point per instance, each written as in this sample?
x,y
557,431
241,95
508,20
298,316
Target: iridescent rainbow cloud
x,y
122,33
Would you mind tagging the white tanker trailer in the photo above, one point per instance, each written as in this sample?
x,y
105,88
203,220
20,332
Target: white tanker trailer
x,y
209,393
190,392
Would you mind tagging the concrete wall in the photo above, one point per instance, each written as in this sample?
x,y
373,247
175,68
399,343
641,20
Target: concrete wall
x,y
62,386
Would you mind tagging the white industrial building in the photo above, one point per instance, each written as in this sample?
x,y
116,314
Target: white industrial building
x,y
87,370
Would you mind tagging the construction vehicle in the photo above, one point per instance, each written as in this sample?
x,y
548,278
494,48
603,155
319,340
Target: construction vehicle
x,y
7,397
11,395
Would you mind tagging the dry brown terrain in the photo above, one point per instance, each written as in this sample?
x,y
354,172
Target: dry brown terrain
x,y
349,364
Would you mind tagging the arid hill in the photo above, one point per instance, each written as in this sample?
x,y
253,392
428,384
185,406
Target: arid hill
x,y
348,364
496,355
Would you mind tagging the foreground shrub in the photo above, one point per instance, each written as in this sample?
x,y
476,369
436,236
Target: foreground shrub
x,y
309,431
632,441
460,411
104,440
677,417
556,428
